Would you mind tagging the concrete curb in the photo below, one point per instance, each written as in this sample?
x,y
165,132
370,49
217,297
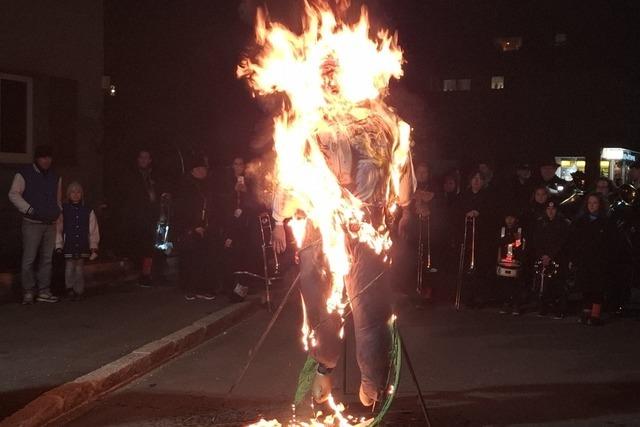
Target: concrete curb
x,y
65,398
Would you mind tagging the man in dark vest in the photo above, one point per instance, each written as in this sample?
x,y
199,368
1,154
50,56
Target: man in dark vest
x,y
36,193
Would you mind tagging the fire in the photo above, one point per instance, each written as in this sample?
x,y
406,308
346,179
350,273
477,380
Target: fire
x,y
332,74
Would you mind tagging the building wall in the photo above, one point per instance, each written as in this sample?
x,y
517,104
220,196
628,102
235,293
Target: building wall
x,y
60,45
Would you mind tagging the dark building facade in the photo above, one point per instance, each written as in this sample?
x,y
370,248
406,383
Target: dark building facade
x,y
51,68
513,81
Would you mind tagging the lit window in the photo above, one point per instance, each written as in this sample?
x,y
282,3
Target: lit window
x,y
16,121
497,82
507,44
449,85
560,39
463,84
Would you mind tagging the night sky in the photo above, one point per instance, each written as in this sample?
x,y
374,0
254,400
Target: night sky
x,y
174,65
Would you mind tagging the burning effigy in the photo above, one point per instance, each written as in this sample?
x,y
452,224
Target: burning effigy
x,y
343,171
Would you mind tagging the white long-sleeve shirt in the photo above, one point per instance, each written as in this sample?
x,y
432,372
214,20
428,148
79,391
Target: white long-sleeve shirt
x,y
17,189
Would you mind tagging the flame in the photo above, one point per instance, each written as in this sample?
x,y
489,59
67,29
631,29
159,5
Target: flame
x,y
331,71
331,75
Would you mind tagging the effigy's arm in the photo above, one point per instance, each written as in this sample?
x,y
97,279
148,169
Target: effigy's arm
x,y
284,204
408,183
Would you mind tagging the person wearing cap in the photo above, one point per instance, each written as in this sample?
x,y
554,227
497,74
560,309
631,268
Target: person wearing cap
x,y
195,226
591,245
557,186
550,246
36,191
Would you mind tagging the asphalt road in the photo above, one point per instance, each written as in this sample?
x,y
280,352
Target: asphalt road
x,y
477,368
45,345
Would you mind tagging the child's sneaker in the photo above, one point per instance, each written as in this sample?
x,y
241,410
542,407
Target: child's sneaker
x,y
27,299
46,297
206,296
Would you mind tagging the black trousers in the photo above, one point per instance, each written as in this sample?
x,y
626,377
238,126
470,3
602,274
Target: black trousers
x,y
197,268
511,290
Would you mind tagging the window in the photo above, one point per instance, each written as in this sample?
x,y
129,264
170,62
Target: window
x,y
497,82
16,118
508,44
560,39
450,85
463,84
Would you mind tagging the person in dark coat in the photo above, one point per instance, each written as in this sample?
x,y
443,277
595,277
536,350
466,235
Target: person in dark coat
x,y
558,187
141,213
475,205
195,223
550,251
239,214
519,188
446,205
511,246
590,244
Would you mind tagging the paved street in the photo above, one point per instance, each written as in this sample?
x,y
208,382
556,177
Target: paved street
x,y
45,345
477,368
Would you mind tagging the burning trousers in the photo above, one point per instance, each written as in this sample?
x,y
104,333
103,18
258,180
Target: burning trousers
x,y
371,307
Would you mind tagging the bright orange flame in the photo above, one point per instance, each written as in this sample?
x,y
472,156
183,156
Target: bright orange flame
x,y
332,75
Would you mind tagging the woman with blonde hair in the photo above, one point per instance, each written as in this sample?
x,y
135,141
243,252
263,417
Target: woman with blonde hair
x,y
77,239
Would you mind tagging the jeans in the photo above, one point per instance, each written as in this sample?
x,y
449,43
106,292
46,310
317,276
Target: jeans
x,y
38,240
74,275
371,313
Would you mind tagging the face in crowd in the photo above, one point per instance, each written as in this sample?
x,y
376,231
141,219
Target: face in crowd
x,y
449,185
547,172
238,166
602,187
523,174
422,173
44,163
551,212
593,205
510,221
541,196
486,171
75,194
634,174
199,172
144,159
477,182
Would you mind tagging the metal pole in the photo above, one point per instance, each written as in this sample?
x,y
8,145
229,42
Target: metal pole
x,y
344,360
254,350
463,247
423,405
420,256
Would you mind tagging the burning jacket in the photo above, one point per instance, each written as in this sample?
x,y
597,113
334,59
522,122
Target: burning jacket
x,y
358,152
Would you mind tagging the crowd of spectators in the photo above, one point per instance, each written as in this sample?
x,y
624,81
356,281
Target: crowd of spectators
x,y
525,241
538,242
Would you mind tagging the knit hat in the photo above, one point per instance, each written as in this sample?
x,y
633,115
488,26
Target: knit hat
x,y
194,159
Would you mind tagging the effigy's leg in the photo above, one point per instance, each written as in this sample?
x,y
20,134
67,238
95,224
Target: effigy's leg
x,y
371,314
316,288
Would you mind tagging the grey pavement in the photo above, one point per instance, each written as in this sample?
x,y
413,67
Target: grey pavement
x,y
477,368
45,345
